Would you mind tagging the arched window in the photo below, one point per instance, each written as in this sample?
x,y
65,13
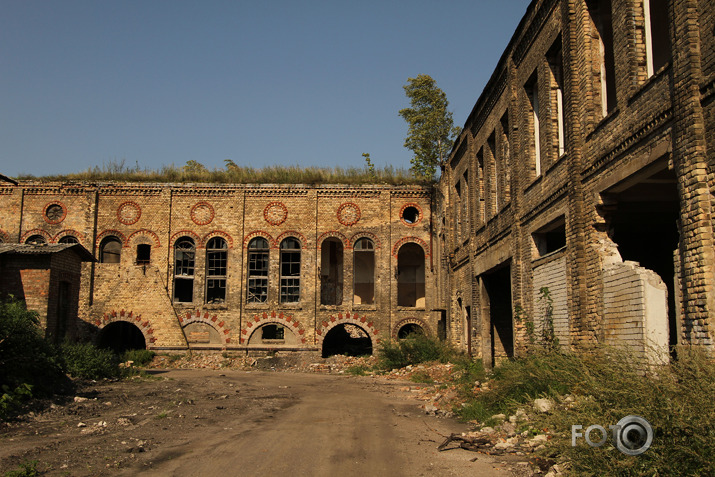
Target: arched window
x,y
290,270
257,271
364,272
411,276
110,250
184,255
331,272
35,240
216,264
69,239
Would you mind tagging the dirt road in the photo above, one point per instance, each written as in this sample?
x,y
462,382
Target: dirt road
x,y
203,422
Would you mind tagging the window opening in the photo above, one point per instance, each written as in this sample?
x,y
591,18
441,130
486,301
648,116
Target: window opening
x,y
505,159
551,237
532,92
657,36
411,215
290,271
35,240
411,276
272,332
143,254
69,239
184,259
331,273
557,98
216,266
364,272
257,271
493,174
600,12
110,250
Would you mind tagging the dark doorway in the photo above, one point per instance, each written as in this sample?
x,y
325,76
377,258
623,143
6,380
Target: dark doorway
x,y
497,312
350,340
409,329
121,336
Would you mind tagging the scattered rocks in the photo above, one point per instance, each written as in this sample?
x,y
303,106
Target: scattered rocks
x,y
543,405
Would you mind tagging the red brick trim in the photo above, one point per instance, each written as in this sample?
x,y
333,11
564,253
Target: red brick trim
x,y
109,232
4,237
404,240
126,205
146,232
352,319
410,321
275,213
187,233
78,235
213,321
195,213
333,234
32,232
265,318
144,325
359,235
257,233
349,214
219,233
50,204
419,209
291,233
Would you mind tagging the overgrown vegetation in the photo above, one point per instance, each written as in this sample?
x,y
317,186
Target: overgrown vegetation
x,y
26,469
139,357
84,360
603,386
194,171
416,348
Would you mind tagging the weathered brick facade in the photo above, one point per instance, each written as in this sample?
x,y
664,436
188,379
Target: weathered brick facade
x,y
144,277
584,170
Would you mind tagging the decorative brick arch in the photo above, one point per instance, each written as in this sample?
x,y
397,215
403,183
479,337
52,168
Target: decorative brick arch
x,y
219,233
348,319
30,233
358,235
411,321
257,233
404,240
265,318
213,321
333,234
143,324
147,233
115,233
64,233
4,237
294,234
186,233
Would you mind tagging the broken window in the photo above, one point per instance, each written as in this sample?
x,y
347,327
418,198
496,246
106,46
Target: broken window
x,y
69,239
411,215
272,332
290,271
257,271
505,159
216,265
602,50
143,254
184,257
657,36
554,58
331,272
110,250
493,175
551,237
532,93
35,240
411,276
364,272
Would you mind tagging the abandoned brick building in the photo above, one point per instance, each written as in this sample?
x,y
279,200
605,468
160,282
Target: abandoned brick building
x,y
579,194
578,197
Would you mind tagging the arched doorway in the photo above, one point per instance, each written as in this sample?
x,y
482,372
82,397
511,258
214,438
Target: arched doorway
x,y
121,336
409,329
347,339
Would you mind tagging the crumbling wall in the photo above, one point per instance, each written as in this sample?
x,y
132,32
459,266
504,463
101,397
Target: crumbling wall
x,y
551,275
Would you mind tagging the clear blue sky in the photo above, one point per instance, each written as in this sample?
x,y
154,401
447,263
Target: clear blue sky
x,y
313,83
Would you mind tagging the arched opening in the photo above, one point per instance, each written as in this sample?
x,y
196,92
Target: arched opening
x,y
68,239
184,255
257,290
347,339
273,335
364,272
121,336
216,266
331,272
408,330
411,276
35,240
110,250
290,271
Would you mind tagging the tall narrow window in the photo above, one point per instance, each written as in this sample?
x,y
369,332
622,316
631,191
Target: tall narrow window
x,y
411,276
257,271
110,250
364,272
600,13
466,226
494,175
331,272
505,152
143,254
216,264
290,271
554,57
532,92
184,256
657,36
480,187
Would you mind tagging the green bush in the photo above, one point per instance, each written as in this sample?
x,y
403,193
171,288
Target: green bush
x,y
26,469
416,348
140,357
84,360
